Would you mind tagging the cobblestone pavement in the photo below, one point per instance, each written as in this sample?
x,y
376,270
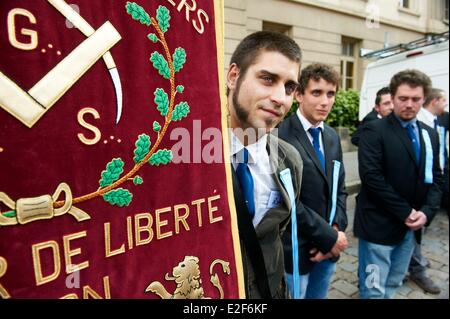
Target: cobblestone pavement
x,y
435,247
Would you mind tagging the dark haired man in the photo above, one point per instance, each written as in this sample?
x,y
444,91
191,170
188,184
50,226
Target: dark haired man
x,y
433,106
320,149
267,172
261,80
400,187
383,107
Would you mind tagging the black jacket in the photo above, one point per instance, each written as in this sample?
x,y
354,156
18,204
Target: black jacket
x,y
391,181
373,115
315,195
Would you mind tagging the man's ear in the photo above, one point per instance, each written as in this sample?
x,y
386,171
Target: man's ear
x,y
232,76
377,108
298,96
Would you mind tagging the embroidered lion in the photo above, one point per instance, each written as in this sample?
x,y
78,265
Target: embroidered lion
x,y
187,278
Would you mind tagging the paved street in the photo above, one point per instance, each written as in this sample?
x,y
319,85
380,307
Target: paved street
x,y
435,247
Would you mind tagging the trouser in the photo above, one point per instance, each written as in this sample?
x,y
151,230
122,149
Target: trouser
x,y
382,267
314,285
418,263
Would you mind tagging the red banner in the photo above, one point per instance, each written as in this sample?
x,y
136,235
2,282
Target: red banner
x,y
112,175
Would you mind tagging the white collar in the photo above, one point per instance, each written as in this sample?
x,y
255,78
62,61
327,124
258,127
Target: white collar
x,y
254,149
430,116
305,123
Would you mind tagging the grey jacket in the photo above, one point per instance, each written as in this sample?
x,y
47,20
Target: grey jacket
x,y
270,230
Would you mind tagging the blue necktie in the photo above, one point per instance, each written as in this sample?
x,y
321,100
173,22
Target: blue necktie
x,y
435,124
315,133
415,142
246,181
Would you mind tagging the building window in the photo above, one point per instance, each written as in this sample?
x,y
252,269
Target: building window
x,y
349,63
446,10
277,27
405,4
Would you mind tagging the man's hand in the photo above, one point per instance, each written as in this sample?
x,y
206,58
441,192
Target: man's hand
x,y
318,256
340,245
416,220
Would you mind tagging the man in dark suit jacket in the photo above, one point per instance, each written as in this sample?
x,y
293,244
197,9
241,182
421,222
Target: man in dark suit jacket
x,y
383,107
400,187
316,95
443,121
261,81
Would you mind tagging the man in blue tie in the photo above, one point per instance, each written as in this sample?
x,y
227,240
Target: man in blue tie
x,y
320,149
261,80
433,106
400,187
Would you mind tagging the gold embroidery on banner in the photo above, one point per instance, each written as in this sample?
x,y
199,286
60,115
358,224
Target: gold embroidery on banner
x,y
212,209
160,223
90,127
215,278
3,268
29,107
182,218
130,233
200,29
199,203
69,253
88,291
108,252
106,287
40,279
12,30
28,210
188,9
187,278
139,229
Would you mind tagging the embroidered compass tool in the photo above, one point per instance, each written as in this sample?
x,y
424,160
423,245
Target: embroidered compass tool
x,y
77,20
29,106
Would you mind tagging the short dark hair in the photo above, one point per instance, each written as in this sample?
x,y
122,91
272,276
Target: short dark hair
x,y
413,78
434,94
252,45
317,71
383,91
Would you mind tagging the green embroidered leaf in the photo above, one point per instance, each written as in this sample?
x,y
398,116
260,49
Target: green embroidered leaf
x,y
163,17
142,148
112,172
156,127
180,89
162,101
161,157
11,213
160,64
180,111
137,180
120,197
138,13
179,58
152,37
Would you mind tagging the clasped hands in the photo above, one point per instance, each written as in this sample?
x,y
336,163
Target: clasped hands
x,y
340,245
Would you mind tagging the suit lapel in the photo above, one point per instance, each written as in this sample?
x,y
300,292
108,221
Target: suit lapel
x,y
277,164
301,136
422,150
401,133
327,146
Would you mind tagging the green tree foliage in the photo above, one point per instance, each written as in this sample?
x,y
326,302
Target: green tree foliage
x,y
345,110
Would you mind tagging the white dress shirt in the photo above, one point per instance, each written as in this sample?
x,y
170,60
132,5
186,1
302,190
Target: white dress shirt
x,y
426,117
307,125
259,165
